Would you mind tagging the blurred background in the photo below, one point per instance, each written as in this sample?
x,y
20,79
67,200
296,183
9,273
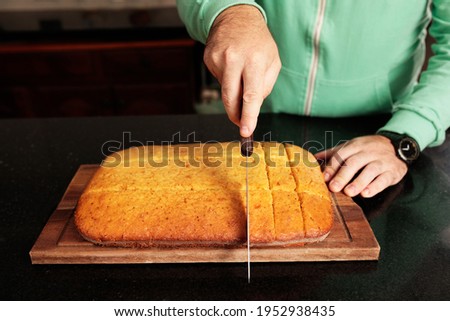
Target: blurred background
x,y
63,58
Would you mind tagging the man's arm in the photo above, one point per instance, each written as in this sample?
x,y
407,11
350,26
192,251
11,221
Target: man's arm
x,y
240,52
424,115
199,15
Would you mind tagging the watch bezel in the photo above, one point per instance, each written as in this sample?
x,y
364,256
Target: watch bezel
x,y
396,140
412,143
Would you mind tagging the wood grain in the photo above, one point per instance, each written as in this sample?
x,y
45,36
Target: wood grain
x,y
59,242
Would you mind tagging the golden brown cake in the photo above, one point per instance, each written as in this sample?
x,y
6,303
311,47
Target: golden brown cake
x,y
194,195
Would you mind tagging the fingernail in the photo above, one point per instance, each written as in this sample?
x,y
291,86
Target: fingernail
x,y
245,131
326,176
365,192
350,190
335,186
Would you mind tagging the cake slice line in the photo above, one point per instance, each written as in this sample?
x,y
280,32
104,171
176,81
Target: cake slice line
x,y
289,157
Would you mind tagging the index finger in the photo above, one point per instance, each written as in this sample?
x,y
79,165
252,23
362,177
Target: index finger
x,y
232,91
252,98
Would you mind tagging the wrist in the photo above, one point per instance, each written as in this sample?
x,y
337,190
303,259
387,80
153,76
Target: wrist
x,y
241,13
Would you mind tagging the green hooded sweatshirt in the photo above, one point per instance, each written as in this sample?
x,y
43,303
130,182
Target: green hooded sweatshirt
x,y
353,57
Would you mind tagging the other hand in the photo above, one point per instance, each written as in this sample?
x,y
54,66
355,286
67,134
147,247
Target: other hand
x,y
241,53
371,158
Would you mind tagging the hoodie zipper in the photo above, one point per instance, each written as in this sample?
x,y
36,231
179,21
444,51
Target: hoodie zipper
x,y
315,57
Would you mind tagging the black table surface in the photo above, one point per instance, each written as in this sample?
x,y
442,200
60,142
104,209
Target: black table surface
x,y
39,157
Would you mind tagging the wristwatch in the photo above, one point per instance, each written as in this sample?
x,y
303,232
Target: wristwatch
x,y
406,147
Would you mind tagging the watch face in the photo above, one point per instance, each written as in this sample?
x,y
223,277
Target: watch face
x,y
408,149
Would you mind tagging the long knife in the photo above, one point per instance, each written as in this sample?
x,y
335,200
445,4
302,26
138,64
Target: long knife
x,y
247,150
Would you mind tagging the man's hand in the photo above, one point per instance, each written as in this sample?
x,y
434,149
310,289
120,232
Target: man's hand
x,y
241,53
373,155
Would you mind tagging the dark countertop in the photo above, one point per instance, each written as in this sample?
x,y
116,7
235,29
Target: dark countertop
x,y
39,157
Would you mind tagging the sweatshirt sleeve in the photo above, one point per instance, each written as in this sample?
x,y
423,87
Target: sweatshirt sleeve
x,y
425,114
199,15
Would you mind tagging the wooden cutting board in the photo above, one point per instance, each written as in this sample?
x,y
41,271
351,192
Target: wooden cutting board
x,y
59,242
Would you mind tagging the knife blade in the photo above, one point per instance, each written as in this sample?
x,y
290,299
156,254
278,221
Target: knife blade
x,y
247,150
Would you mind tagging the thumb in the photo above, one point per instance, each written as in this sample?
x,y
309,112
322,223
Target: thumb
x,y
325,154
